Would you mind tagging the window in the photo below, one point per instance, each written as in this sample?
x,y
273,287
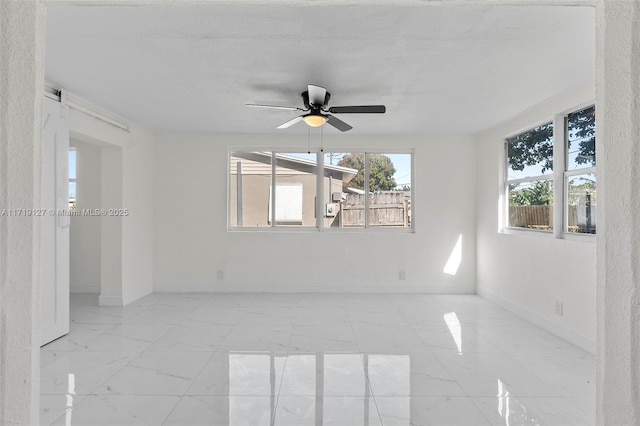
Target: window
x,y
323,190
253,175
580,173
530,178
373,197
72,178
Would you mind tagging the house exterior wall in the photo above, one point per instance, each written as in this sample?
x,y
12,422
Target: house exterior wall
x,y
256,184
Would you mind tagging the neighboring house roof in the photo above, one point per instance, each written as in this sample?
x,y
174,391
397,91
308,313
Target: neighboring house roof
x,y
345,174
356,191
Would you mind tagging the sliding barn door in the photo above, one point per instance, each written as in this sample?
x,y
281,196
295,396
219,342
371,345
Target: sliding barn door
x,y
54,249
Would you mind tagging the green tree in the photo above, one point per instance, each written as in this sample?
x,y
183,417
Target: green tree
x,y
539,194
535,147
381,171
532,148
578,189
582,127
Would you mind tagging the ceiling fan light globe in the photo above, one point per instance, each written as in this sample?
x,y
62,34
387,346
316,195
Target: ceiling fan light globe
x,y
314,120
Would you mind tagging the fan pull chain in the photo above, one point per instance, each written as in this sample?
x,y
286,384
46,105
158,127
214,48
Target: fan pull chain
x,y
309,140
321,138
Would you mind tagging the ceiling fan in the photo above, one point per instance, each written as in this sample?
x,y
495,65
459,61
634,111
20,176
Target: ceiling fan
x,y
316,109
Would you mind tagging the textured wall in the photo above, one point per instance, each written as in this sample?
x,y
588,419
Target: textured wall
x,y
21,94
618,331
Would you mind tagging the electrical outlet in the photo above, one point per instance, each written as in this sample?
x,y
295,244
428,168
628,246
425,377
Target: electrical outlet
x,y
220,274
402,276
559,308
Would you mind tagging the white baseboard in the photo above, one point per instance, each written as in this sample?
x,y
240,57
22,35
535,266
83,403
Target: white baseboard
x,y
85,288
572,336
110,301
314,288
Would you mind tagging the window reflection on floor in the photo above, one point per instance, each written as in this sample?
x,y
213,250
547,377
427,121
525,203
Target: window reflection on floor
x,y
321,388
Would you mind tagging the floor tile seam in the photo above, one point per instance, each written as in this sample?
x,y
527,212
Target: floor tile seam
x,y
172,408
131,356
479,410
133,395
86,349
451,374
99,323
517,359
65,353
284,368
171,327
355,335
84,396
368,381
195,377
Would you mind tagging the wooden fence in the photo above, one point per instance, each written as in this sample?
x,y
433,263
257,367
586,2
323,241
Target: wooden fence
x,y
541,217
387,208
538,217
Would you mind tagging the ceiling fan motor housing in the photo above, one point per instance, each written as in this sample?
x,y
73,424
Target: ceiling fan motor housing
x,y
310,106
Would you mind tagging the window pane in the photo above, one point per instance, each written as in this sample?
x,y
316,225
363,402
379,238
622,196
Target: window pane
x,y
72,178
249,189
581,195
531,205
390,184
72,163
344,189
530,153
295,189
581,139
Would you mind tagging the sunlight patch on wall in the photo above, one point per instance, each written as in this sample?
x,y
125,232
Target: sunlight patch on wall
x,y
455,258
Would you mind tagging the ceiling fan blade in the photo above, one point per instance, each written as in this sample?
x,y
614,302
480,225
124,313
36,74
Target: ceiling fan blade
x,y
338,124
363,109
286,108
316,95
290,123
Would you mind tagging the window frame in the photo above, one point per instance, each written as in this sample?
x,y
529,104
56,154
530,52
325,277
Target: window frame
x,y
506,228
559,176
320,196
568,174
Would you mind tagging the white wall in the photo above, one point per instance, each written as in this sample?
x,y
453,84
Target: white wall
x,y
85,231
192,241
127,255
137,227
527,272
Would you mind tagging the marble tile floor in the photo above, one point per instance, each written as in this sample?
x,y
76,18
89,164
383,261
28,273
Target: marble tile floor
x,y
311,359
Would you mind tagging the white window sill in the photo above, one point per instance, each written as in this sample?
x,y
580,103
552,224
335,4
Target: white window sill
x,y
569,236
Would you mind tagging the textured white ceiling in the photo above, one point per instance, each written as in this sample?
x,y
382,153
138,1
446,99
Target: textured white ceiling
x,y
438,69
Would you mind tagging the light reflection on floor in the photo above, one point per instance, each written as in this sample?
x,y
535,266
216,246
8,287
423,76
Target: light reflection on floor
x,y
191,359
